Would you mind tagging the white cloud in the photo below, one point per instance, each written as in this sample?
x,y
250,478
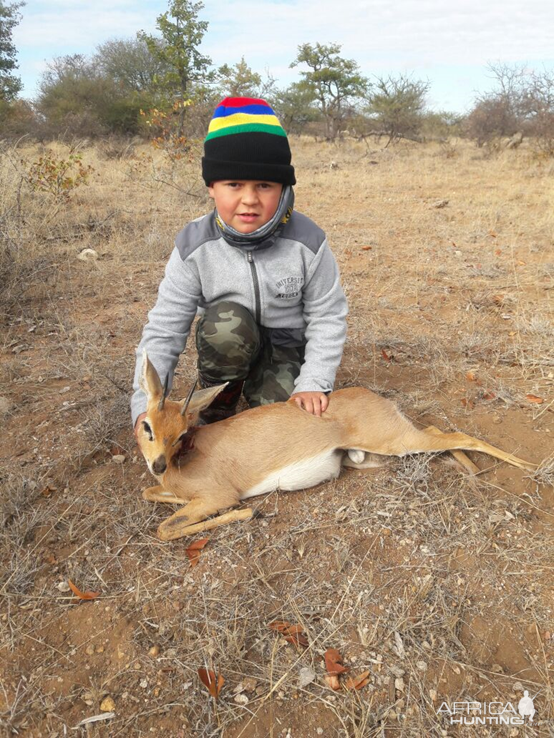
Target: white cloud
x,y
383,36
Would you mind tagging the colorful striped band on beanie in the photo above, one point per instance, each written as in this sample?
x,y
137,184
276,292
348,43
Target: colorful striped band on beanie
x,y
243,115
246,141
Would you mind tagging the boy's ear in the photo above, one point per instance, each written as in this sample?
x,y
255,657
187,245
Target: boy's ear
x,y
201,400
150,380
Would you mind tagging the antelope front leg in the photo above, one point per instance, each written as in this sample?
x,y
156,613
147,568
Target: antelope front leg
x,y
160,494
194,511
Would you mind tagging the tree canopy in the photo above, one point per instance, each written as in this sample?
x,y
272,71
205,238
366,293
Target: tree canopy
x,y
335,83
182,33
10,85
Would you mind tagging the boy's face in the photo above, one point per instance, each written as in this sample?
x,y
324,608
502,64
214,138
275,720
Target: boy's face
x,y
246,205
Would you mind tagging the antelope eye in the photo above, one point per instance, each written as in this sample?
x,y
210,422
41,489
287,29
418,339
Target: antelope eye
x,y
181,438
148,429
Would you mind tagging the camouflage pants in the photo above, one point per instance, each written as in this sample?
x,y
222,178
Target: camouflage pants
x,y
232,346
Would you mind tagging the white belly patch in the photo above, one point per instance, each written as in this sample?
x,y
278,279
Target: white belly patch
x,y
302,474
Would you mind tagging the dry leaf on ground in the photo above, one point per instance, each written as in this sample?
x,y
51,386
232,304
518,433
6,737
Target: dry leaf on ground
x,y
194,550
334,666
534,398
212,681
82,595
291,633
333,662
359,681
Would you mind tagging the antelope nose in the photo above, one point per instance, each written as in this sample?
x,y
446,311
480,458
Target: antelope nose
x,y
160,465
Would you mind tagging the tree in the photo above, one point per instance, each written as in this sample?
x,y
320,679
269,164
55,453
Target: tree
x,y
295,107
538,107
499,113
75,95
131,64
334,82
397,106
239,80
182,34
10,86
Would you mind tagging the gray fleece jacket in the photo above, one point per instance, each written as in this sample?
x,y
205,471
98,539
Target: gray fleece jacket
x,y
290,286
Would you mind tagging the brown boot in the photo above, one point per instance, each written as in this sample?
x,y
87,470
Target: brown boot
x,y
224,405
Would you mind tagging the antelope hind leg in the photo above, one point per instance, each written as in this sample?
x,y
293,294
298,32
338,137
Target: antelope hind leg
x,y
160,494
438,441
463,461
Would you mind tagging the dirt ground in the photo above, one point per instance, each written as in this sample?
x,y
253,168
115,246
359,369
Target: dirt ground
x,y
436,583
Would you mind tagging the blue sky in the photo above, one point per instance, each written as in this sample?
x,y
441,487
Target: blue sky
x,y
447,43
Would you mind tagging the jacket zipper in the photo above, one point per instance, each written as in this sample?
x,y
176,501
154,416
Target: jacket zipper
x,y
256,285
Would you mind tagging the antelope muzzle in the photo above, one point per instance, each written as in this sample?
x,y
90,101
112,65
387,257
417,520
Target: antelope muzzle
x,y
159,465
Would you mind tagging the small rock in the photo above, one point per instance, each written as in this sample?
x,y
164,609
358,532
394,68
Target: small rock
x,y
422,665
306,676
118,458
241,699
89,650
497,669
107,704
249,684
5,406
399,684
143,683
440,204
319,731
88,255
397,671
63,586
154,651
518,687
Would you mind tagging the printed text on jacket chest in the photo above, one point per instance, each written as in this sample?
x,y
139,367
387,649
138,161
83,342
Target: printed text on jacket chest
x,y
289,287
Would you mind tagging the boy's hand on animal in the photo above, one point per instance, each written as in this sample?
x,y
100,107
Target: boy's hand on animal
x,y
314,402
139,421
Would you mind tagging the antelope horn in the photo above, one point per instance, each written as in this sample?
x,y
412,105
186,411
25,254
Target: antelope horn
x,y
189,397
165,393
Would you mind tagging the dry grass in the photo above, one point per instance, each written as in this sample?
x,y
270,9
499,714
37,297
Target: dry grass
x,y
437,584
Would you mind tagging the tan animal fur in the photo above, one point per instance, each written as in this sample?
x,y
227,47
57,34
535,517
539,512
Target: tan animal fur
x,y
278,446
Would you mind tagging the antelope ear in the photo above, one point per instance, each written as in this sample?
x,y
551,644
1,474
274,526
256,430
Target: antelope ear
x,y
201,400
150,380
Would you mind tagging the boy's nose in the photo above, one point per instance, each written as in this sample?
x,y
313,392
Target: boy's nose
x,y
249,195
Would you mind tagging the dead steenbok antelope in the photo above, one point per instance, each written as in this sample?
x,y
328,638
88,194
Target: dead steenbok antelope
x,y
279,446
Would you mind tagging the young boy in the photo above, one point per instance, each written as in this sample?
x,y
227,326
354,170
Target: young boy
x,y
274,320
